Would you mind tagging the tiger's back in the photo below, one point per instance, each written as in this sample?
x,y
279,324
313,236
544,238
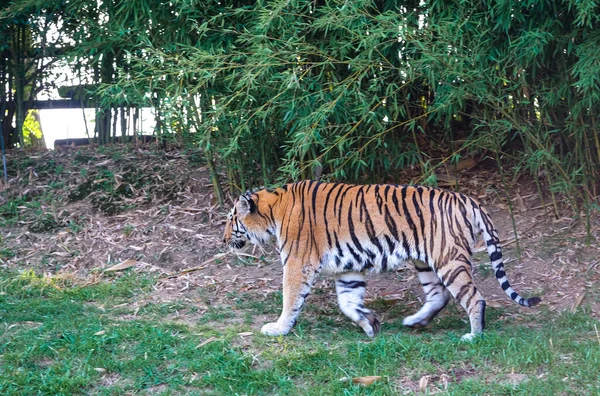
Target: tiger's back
x,y
345,230
375,227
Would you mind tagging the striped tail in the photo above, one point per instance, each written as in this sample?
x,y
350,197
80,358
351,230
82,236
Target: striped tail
x,y
495,252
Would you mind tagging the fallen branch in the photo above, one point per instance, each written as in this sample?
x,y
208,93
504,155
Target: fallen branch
x,y
198,268
123,265
482,248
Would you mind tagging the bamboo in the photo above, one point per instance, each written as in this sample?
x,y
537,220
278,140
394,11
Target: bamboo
x,y
263,161
510,206
555,205
241,175
597,141
231,177
588,169
539,190
214,177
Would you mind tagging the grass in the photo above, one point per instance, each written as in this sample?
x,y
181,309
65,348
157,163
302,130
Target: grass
x,y
22,208
60,338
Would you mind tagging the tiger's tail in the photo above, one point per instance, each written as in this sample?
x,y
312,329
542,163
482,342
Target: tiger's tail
x,y
490,236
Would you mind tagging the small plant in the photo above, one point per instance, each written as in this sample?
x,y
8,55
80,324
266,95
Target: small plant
x,y
9,212
128,229
6,253
44,223
485,270
30,281
106,180
75,227
82,157
56,185
25,163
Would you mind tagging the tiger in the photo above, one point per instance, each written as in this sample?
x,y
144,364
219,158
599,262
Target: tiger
x,y
347,230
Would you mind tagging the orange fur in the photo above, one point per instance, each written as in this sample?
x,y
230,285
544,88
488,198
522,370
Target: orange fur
x,y
345,230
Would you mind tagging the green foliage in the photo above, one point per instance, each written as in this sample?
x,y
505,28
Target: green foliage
x,y
6,253
273,91
128,229
75,226
44,222
9,211
358,90
32,128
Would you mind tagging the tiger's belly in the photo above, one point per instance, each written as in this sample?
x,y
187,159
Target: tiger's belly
x,y
336,263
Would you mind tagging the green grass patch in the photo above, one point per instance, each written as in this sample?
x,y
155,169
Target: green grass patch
x,y
60,338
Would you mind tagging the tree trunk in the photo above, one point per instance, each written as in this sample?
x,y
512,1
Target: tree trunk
x,y
115,115
103,115
136,116
124,122
19,73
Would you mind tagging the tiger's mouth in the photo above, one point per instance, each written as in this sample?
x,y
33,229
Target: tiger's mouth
x,y
237,244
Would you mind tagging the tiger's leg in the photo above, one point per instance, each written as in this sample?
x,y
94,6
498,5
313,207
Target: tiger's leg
x,y
350,288
457,277
297,281
436,297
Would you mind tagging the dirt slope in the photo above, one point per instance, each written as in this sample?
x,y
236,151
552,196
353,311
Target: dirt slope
x,y
78,212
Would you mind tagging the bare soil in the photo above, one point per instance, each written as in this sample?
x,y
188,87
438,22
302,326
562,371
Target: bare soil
x,y
83,211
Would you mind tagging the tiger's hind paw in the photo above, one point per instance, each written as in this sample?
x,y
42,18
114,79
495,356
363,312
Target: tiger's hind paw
x,y
415,321
273,329
470,337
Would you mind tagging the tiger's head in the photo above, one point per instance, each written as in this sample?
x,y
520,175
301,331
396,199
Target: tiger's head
x,y
245,223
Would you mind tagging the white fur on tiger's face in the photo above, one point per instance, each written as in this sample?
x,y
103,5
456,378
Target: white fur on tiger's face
x,y
237,233
345,230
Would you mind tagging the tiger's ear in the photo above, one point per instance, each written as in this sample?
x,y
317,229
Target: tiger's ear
x,y
246,205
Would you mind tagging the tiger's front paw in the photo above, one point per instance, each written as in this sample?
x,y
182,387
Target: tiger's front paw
x,y
370,324
273,329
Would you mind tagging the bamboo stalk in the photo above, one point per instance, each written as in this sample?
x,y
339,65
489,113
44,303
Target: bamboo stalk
x,y
539,190
263,161
230,176
510,207
241,175
556,215
597,141
588,170
214,177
